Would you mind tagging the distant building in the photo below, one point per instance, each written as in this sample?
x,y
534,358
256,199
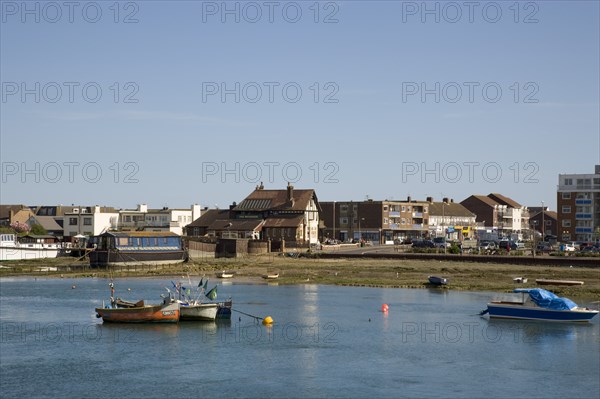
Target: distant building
x,y
89,220
49,224
546,223
451,220
499,214
14,213
377,221
292,215
165,219
578,203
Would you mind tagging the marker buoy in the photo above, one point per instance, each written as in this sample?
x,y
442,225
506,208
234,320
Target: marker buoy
x,y
73,286
267,320
385,308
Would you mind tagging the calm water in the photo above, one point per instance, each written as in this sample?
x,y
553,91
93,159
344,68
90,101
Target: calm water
x,y
326,342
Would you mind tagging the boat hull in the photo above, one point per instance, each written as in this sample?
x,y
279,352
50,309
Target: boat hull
x,y
204,311
508,311
224,310
558,282
166,313
23,252
103,258
437,280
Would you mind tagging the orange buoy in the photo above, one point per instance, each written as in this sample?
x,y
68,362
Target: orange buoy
x,y
267,321
385,307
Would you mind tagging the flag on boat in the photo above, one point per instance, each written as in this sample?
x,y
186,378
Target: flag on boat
x,y
212,294
200,283
206,285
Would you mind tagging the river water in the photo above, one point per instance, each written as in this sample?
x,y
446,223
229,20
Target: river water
x,y
327,342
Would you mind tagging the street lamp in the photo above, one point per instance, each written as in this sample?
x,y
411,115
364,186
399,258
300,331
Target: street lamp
x,y
333,221
543,226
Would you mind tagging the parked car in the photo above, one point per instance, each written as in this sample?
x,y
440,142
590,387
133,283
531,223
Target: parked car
x,y
544,247
591,249
423,244
487,245
440,242
506,244
568,247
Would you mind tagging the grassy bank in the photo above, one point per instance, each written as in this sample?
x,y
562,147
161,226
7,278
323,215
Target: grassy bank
x,y
363,272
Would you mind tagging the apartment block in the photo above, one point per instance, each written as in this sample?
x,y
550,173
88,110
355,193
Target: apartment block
x,y
578,206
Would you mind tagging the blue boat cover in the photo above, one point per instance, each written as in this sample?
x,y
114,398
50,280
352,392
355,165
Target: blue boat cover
x,y
547,299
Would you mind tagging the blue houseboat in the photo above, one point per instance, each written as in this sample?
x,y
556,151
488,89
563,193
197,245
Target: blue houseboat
x,y
136,248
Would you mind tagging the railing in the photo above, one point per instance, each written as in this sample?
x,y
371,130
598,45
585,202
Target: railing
x,y
417,214
583,202
394,214
583,216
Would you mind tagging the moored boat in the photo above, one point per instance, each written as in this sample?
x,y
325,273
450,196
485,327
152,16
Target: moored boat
x,y
435,280
198,311
28,247
271,276
136,248
543,281
166,312
224,309
539,304
225,274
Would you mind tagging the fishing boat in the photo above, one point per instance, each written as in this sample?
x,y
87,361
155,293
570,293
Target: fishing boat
x,y
437,280
519,280
225,274
271,276
198,311
539,304
166,312
224,309
543,281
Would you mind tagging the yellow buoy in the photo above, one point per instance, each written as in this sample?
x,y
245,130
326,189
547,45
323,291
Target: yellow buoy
x,y
267,320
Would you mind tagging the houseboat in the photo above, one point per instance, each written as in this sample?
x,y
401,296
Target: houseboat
x,y
136,248
28,247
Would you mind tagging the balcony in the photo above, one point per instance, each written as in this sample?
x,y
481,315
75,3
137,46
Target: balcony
x,y
417,214
583,216
583,202
419,227
394,214
584,230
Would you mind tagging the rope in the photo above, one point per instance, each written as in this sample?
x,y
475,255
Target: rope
x,y
246,314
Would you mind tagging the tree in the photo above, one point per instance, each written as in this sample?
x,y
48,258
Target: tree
x,y
38,230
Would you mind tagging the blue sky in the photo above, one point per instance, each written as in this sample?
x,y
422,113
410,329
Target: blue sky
x,y
166,134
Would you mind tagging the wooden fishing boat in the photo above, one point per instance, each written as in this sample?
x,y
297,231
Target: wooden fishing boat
x,y
435,280
225,274
539,305
224,309
543,281
198,311
166,312
271,276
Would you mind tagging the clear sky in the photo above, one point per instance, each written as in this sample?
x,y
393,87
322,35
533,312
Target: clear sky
x,y
181,102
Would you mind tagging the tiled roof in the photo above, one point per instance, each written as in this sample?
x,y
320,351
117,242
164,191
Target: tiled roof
x,y
235,224
209,216
262,200
449,209
5,210
284,222
501,199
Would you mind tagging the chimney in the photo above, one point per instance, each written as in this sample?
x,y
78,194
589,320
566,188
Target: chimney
x,y
430,199
445,199
233,205
451,200
142,208
196,212
290,192
261,187
408,199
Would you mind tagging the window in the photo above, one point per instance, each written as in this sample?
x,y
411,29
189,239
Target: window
x,y
403,221
568,182
344,208
408,209
385,208
424,209
566,237
403,208
566,196
548,222
566,223
385,220
87,221
566,209
128,218
72,221
343,220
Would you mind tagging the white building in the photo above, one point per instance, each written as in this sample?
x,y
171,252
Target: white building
x,y
90,220
165,219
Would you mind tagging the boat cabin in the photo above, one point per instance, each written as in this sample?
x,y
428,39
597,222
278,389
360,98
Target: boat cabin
x,y
137,241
